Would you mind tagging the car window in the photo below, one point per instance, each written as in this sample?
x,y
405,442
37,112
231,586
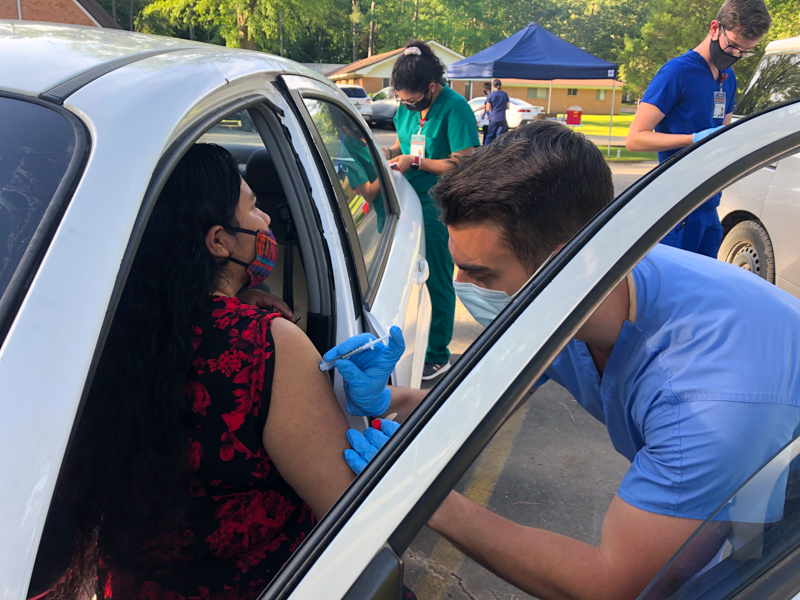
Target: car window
x,y
348,147
748,533
36,149
777,79
355,92
379,96
238,134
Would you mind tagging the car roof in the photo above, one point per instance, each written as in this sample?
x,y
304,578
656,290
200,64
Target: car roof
x,y
791,44
350,85
47,54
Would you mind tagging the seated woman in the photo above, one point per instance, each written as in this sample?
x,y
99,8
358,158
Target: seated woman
x,y
210,439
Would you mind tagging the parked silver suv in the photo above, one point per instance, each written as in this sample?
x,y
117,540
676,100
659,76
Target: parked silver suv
x,y
760,213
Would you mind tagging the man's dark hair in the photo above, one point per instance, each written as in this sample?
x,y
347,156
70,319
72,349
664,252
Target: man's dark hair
x,y
497,84
540,183
414,72
749,18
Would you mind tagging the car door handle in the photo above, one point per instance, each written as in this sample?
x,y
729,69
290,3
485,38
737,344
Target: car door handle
x,y
421,276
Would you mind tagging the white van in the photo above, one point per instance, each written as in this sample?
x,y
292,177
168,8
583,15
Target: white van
x,y
760,214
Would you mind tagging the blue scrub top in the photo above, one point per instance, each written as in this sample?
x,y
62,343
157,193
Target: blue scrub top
x,y
683,89
701,390
499,100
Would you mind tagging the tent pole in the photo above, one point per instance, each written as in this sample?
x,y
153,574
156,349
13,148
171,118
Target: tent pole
x,y
611,120
549,96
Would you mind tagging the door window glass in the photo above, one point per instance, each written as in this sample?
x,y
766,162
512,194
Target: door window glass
x,y
776,80
36,148
348,147
748,535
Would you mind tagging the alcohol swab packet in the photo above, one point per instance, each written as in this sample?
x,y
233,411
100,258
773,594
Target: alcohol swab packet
x,y
327,365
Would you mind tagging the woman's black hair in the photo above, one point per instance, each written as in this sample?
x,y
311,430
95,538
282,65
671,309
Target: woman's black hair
x,y
126,479
414,73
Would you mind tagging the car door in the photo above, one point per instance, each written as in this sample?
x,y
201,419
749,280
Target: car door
x,y
354,551
385,234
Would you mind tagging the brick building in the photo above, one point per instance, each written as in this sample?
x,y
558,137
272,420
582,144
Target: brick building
x,y
74,12
592,95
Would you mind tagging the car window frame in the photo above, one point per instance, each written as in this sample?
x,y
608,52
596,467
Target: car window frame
x,y
368,279
305,558
164,168
20,282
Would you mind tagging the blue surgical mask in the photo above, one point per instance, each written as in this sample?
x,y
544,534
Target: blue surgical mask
x,y
484,305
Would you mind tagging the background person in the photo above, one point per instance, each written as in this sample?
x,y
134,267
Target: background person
x,y
690,97
433,124
497,103
656,363
210,439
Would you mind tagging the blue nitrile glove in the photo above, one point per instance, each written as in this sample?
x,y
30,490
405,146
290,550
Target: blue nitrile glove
x,y
365,374
367,444
705,133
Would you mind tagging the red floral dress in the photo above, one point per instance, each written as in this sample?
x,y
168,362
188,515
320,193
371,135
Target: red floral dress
x,y
244,521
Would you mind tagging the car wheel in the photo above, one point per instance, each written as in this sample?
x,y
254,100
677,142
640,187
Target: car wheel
x,y
747,245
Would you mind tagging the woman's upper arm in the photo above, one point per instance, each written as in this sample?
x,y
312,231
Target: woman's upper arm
x,y
305,430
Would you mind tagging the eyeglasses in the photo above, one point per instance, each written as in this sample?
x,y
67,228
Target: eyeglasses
x,y
733,49
409,103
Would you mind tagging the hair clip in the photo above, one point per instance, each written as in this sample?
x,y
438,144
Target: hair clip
x,y
412,50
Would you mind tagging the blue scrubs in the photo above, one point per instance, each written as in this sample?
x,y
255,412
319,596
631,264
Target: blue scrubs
x,y
497,116
701,390
683,89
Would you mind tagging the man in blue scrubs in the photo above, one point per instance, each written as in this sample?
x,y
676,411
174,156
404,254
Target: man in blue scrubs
x,y
497,103
690,97
659,363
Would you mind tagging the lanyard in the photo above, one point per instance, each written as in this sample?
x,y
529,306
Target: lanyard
x,y
421,124
722,78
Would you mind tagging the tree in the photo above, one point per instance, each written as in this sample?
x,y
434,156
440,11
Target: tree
x,y
673,27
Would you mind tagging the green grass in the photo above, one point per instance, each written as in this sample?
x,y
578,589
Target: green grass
x,y
626,156
598,125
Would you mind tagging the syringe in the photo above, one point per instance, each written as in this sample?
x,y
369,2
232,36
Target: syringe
x,y
327,365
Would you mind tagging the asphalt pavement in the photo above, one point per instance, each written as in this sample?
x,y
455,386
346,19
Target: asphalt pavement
x,y
551,466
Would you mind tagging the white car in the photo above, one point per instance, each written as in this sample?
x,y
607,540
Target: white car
x,y
64,289
93,121
359,98
518,114
759,214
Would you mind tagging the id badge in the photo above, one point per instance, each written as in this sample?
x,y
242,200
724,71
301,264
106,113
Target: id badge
x,y
418,145
719,105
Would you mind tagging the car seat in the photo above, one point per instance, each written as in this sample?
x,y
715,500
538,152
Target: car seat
x,y
262,177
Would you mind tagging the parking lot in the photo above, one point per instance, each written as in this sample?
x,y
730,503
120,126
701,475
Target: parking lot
x,y
551,466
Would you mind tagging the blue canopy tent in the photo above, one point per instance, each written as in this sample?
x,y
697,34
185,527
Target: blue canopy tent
x,y
535,53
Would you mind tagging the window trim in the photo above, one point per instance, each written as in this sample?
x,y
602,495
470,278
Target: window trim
x,y
20,282
348,236
572,91
598,93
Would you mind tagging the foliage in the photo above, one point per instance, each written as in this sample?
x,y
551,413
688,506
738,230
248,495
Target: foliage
x,y
641,35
